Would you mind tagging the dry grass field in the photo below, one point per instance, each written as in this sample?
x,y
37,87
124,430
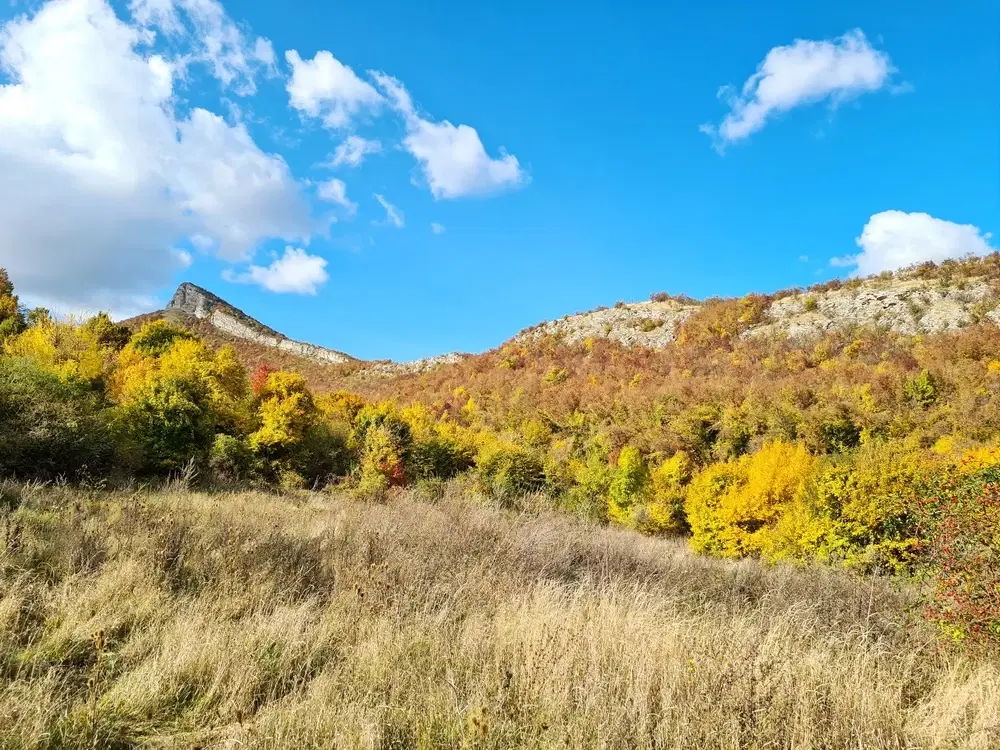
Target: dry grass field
x,y
183,620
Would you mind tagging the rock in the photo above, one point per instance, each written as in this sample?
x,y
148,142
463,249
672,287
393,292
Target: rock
x,y
645,324
204,305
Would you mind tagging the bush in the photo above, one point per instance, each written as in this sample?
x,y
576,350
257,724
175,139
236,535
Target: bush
x,y
167,424
665,514
155,338
230,458
437,458
109,335
960,529
922,389
631,488
321,455
734,507
49,426
507,471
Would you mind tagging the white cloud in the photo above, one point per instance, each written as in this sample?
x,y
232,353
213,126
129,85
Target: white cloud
x,y
210,37
353,151
102,177
392,214
335,191
295,272
452,157
324,87
895,239
801,73
438,228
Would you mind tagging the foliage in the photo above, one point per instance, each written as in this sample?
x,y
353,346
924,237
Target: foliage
x,y
507,471
166,423
155,338
230,458
960,521
631,488
50,426
735,506
11,317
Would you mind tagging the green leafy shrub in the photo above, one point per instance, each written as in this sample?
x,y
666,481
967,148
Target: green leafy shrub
x,y
49,426
508,471
631,488
647,325
167,424
436,457
922,389
230,458
110,335
155,338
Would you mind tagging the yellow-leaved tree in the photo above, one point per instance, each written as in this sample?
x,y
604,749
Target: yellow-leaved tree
x,y
733,507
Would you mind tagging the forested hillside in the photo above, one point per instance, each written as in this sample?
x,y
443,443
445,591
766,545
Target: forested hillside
x,y
855,445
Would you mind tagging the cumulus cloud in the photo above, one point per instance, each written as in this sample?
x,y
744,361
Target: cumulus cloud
x,y
438,228
895,239
326,88
103,177
393,215
452,157
295,272
353,150
335,191
804,72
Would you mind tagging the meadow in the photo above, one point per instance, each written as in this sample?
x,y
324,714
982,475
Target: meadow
x,y
174,618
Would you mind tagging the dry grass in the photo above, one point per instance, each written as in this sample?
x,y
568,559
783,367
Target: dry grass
x,y
255,621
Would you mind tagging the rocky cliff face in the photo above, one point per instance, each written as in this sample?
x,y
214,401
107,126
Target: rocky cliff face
x,y
647,324
202,304
904,305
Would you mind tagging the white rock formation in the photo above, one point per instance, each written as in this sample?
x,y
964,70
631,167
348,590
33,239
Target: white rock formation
x,y
204,305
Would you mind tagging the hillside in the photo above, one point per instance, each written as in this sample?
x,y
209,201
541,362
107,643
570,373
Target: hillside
x,y
924,300
855,424
221,323
927,300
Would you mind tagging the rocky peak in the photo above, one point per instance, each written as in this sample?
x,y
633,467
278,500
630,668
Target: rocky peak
x,y
191,299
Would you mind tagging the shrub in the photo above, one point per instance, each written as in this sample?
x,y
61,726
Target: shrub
x,y
155,338
922,389
49,426
285,411
230,458
647,325
385,415
960,528
734,507
11,317
555,375
631,487
665,514
109,335
435,457
858,509
698,428
506,471
167,424
322,454
69,350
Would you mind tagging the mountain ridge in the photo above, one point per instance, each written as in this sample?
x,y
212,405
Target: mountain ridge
x,y
922,300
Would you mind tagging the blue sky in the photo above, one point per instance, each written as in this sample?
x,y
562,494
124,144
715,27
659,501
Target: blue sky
x,y
589,156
